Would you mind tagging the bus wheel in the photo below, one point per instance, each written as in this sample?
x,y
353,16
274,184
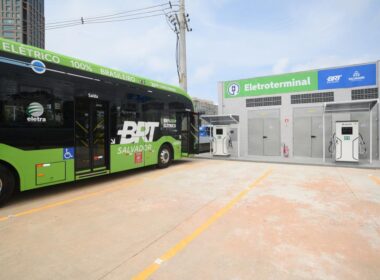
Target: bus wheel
x,y
164,156
7,184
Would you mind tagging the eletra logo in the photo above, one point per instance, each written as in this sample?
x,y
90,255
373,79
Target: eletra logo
x,y
34,111
233,89
38,66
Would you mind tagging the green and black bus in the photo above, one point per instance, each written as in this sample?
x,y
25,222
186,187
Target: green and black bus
x,y
64,119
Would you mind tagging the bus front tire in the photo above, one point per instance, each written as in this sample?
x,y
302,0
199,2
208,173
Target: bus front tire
x,y
164,156
7,184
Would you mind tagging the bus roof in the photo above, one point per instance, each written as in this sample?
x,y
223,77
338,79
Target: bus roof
x,y
55,58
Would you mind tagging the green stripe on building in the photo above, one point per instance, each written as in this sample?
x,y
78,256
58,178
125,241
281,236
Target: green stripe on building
x,y
286,83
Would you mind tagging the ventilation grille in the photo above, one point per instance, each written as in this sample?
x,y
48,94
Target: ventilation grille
x,y
263,101
312,97
365,93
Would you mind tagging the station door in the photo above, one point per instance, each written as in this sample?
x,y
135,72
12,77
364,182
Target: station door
x,y
308,137
264,133
308,132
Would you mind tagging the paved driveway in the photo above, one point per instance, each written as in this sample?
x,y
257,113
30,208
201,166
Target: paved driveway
x,y
199,219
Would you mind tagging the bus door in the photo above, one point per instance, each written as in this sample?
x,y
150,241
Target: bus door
x,y
189,132
91,137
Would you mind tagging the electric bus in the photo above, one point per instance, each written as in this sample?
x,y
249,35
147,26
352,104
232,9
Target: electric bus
x,y
63,119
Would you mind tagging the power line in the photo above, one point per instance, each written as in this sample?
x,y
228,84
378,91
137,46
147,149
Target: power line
x,y
104,21
136,13
124,12
123,16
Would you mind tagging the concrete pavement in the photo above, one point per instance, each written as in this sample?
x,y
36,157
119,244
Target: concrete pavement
x,y
199,219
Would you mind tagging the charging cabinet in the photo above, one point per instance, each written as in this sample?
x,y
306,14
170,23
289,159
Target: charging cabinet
x,y
347,141
221,140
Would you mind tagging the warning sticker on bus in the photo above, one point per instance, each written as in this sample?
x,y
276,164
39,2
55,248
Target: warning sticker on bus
x,y
138,157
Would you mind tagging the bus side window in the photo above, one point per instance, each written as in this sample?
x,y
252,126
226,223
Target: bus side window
x,y
126,108
32,106
153,110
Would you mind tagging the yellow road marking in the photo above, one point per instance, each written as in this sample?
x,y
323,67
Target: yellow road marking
x,y
67,201
375,179
88,195
186,241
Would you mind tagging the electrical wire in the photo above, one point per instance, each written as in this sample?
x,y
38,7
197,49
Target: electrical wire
x,y
112,15
104,21
362,145
165,9
124,16
177,55
111,19
331,147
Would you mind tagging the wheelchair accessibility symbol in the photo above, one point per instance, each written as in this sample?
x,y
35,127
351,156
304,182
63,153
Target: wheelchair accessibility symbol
x,y
68,153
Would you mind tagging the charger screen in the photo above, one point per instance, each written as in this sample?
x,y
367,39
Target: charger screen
x,y
347,130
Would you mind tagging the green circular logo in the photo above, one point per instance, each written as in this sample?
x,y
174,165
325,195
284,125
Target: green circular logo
x,y
233,89
35,109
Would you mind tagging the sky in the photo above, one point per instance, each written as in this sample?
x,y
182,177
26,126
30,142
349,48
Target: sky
x,y
230,39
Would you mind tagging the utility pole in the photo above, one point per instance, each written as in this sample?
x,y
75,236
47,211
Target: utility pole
x,y
179,23
182,45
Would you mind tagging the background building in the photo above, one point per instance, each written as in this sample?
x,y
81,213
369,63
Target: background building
x,y
205,107
285,115
23,21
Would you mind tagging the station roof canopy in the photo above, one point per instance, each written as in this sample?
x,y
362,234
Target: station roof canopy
x,y
221,119
351,106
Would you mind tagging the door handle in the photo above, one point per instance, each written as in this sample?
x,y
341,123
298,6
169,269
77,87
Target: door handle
x,y
265,137
313,136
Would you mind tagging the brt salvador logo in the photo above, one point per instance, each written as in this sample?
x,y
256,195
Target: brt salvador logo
x,y
34,111
233,89
132,132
